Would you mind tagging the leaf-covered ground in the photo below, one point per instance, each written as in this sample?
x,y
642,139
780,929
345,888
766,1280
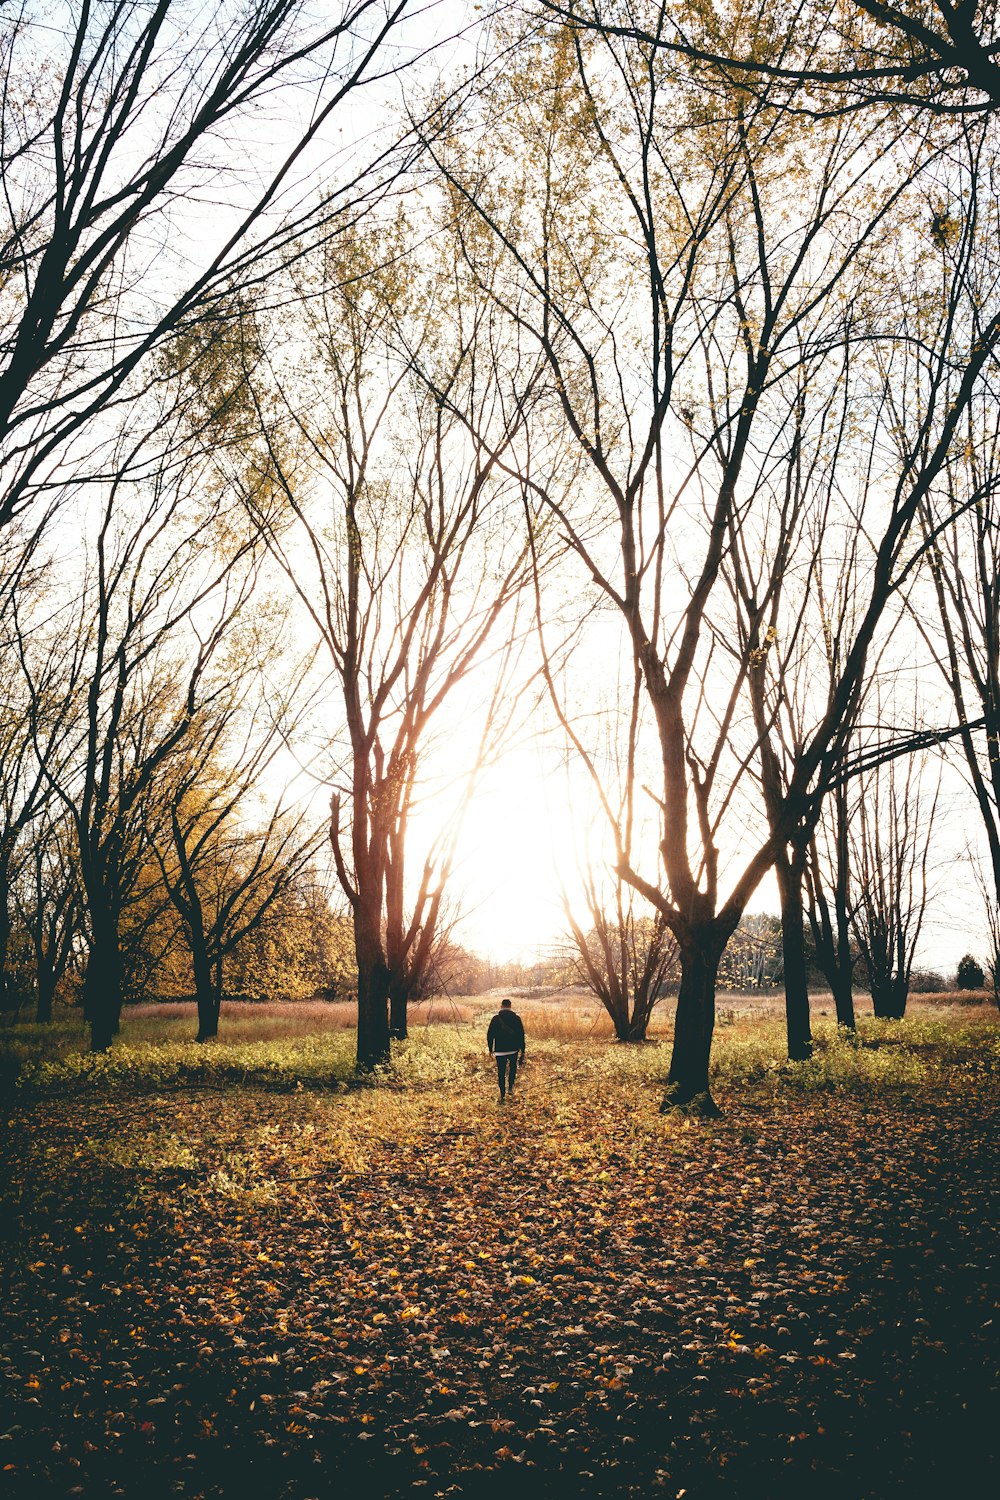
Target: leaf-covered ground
x,y
223,1290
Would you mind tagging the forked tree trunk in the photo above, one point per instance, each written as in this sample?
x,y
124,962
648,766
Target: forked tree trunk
x,y
831,930
633,1028
632,1031
793,950
889,998
694,1023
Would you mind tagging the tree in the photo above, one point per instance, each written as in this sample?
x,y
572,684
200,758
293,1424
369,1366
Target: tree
x,y
627,952
453,970
302,949
47,901
937,57
960,522
223,876
829,905
764,259
153,615
970,974
891,834
394,532
753,957
625,959
110,124
40,664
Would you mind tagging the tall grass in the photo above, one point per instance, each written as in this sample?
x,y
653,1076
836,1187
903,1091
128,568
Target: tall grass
x,y
280,1046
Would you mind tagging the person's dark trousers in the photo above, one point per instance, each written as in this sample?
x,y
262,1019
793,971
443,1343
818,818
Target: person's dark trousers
x,y
506,1072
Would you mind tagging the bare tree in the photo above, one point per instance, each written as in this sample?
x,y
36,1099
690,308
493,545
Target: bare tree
x,y
829,904
47,902
625,951
960,521
391,527
891,833
39,662
152,616
626,958
753,957
745,250
115,123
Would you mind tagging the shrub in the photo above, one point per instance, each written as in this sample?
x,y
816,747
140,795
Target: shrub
x,y
970,974
927,982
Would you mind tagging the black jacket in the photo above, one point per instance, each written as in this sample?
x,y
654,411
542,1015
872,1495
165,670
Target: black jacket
x,y
506,1033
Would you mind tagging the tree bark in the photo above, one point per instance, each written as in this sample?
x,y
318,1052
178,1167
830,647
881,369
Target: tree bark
x,y
843,999
373,996
399,996
694,1024
206,996
889,999
632,1028
102,991
5,932
789,874
43,1002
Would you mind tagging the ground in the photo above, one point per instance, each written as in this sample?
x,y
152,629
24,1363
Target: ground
x,y
238,1273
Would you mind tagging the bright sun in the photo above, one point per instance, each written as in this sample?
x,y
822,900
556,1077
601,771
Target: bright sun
x,y
519,847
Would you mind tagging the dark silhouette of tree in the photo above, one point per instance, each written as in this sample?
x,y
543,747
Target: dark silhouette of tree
x,y
969,975
755,280
114,123
47,902
625,959
152,617
891,831
223,875
401,539
829,905
833,60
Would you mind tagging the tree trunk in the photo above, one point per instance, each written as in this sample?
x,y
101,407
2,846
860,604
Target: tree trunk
x,y
694,1023
5,931
899,997
102,991
843,998
889,998
399,996
634,1028
793,949
45,990
204,988
373,996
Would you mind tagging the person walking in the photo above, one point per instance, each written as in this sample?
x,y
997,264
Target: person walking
x,y
505,1040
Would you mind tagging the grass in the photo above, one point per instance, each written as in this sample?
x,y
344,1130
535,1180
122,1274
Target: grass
x,y
311,1044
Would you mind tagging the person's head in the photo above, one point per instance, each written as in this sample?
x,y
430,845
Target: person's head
x,y
505,1004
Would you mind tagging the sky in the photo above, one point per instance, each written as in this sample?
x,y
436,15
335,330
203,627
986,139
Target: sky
x,y
518,851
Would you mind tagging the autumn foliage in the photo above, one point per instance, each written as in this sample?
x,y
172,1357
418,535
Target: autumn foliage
x,y
281,1289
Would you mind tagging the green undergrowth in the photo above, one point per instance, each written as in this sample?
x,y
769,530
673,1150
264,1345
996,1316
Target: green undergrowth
x,y
880,1055
309,1061
749,1051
